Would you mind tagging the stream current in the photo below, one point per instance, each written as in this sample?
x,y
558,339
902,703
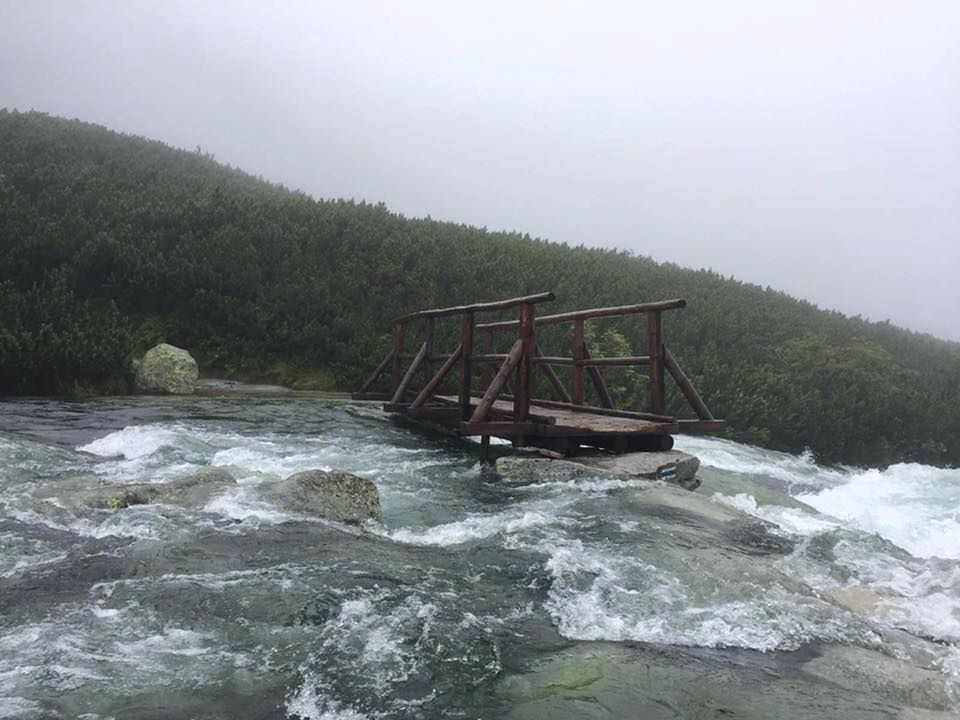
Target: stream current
x,y
778,589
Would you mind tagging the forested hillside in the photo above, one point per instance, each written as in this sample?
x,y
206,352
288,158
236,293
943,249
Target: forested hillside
x,y
110,243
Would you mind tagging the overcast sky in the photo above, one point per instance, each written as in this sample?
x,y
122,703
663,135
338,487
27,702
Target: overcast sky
x,y
810,146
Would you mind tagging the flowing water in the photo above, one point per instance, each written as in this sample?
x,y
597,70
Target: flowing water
x,y
778,589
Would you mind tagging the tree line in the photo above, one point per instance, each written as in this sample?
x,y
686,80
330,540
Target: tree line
x,y
110,243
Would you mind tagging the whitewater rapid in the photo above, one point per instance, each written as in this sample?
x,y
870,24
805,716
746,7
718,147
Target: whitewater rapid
x,y
772,554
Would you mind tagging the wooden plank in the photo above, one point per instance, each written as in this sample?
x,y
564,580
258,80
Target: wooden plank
x,y
376,373
490,395
551,375
599,385
609,412
524,382
592,313
499,428
408,376
576,370
701,425
395,376
466,342
655,368
478,307
686,387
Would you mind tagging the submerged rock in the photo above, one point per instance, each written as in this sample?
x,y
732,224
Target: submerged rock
x,y
670,466
335,495
167,369
90,491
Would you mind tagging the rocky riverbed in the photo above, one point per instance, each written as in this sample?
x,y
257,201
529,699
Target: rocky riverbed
x,y
778,589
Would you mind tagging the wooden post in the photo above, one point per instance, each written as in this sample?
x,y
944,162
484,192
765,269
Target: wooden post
x,y
466,358
396,372
376,373
408,376
482,413
524,383
484,449
428,341
655,368
689,392
436,379
599,385
576,371
552,377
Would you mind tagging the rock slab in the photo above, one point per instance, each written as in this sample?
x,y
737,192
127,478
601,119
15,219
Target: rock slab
x,y
670,466
167,369
335,495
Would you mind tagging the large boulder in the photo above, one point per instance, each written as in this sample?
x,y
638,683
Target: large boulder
x,y
167,369
670,466
335,495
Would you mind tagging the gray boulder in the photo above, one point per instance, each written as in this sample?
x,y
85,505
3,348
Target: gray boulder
x,y
335,495
671,466
167,369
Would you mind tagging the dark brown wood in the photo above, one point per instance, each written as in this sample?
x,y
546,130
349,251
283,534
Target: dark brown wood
x,y
524,382
466,374
592,313
493,389
437,378
576,370
479,307
485,449
428,341
376,373
655,367
499,428
686,387
551,375
701,425
592,410
409,375
397,369
598,384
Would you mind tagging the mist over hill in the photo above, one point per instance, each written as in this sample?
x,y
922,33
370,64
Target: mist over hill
x,y
110,243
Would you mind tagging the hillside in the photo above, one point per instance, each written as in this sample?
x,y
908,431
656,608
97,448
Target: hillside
x,y
109,243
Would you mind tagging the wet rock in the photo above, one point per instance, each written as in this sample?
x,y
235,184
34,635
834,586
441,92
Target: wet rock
x,y
167,369
670,466
895,680
335,495
91,491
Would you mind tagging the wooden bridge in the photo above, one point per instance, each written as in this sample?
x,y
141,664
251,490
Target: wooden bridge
x,y
563,423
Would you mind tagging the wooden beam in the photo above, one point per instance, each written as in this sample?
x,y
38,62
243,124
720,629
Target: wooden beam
x,y
655,368
493,390
576,371
689,392
701,425
551,374
395,377
593,410
466,375
478,307
599,385
437,378
524,383
376,373
408,376
500,428
592,313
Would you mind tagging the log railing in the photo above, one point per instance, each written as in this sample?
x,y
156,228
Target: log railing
x,y
517,366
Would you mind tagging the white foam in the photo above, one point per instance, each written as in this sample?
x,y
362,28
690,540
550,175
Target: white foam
x,y
309,702
914,506
135,441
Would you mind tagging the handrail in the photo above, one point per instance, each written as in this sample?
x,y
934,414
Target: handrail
x,y
477,307
589,314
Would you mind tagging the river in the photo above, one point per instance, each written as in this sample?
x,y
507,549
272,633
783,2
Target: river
x,y
778,589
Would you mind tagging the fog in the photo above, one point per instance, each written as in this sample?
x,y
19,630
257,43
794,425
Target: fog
x,y
811,146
